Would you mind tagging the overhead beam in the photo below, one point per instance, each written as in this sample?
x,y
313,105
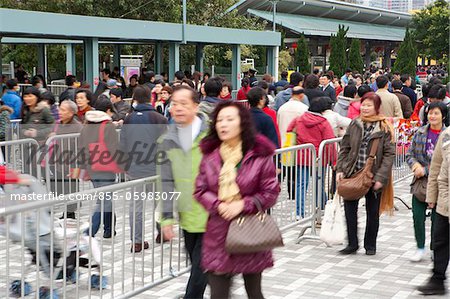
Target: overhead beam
x,y
327,12
374,19
353,15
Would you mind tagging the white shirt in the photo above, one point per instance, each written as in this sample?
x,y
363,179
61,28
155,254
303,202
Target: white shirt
x,y
187,134
287,113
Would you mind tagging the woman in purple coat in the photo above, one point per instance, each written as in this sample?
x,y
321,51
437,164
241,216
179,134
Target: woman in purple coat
x,y
236,170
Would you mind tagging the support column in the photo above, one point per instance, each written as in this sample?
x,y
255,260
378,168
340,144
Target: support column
x,y
71,68
236,67
174,59
1,60
42,60
116,56
272,61
91,65
387,56
158,58
199,57
368,49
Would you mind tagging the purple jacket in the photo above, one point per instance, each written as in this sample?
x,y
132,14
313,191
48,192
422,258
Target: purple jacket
x,y
257,179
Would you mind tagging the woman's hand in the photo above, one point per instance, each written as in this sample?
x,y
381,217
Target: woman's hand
x,y
30,133
431,205
229,211
419,171
377,186
167,232
339,176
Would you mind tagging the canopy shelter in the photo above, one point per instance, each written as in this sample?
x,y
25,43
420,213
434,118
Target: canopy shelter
x,y
319,19
72,29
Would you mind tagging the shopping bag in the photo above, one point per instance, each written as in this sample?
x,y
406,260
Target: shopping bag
x,y
288,158
333,230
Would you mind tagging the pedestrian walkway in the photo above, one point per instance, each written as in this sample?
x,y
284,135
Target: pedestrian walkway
x,y
311,270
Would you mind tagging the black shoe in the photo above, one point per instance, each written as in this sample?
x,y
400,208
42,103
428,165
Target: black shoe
x,y
348,250
371,251
433,287
107,235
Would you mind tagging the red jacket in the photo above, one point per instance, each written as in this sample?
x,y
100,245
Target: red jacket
x,y
273,115
420,103
242,93
8,176
310,128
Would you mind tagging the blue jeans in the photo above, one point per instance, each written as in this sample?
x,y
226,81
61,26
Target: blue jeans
x,y
303,173
100,180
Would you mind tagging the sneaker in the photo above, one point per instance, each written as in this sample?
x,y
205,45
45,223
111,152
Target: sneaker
x,y
433,287
418,256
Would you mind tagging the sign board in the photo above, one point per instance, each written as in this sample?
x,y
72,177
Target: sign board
x,y
130,67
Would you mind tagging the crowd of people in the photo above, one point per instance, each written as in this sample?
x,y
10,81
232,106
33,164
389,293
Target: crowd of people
x,y
230,149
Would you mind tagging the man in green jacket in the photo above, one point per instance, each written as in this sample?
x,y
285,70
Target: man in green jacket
x,y
178,173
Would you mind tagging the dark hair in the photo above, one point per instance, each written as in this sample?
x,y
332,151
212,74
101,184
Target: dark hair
x,y
359,76
437,92
70,80
405,77
11,83
168,89
189,82
248,131
227,85
179,75
118,92
348,70
160,81
444,111
103,104
350,91
319,104
142,94
374,98
148,76
397,84
363,89
382,81
213,87
194,95
435,80
296,78
245,82
29,91
327,76
263,84
36,79
284,74
49,97
106,71
311,82
134,77
88,93
254,95
426,89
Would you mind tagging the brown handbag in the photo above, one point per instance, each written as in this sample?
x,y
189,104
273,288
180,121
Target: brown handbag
x,y
356,186
419,188
253,233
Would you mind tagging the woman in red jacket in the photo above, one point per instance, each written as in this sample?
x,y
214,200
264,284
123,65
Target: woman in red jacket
x,y
314,129
242,93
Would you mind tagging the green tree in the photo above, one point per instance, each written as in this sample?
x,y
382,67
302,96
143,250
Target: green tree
x,y
406,56
302,55
431,30
355,61
338,57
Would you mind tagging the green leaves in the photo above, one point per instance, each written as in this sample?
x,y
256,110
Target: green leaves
x,y
406,56
302,55
355,61
338,57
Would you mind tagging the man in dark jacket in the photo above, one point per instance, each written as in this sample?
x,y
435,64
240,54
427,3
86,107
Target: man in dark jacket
x,y
120,107
327,87
263,123
407,90
138,140
69,93
405,102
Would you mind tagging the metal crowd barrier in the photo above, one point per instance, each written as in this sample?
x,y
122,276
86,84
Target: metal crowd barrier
x,y
42,250
243,103
296,203
21,155
14,129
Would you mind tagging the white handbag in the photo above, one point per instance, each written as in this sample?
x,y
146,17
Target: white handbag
x,y
333,230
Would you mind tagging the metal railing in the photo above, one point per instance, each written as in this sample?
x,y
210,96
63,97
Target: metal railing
x,y
40,249
21,155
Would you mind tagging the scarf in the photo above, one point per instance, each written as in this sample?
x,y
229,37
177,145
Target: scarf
x,y
385,125
231,156
387,195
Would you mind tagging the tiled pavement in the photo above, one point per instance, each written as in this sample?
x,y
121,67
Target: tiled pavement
x,y
311,270
305,270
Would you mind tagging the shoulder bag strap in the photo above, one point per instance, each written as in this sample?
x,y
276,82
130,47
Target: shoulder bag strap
x,y
101,133
374,147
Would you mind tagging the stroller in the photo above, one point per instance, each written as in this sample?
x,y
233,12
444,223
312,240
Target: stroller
x,y
34,228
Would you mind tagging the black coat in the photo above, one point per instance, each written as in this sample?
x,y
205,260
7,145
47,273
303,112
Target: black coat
x,y
264,125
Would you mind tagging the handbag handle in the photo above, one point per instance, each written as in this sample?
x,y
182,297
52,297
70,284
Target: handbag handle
x,y
374,147
258,205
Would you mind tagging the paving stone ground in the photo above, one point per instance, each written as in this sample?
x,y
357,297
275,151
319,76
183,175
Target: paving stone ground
x,y
312,270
